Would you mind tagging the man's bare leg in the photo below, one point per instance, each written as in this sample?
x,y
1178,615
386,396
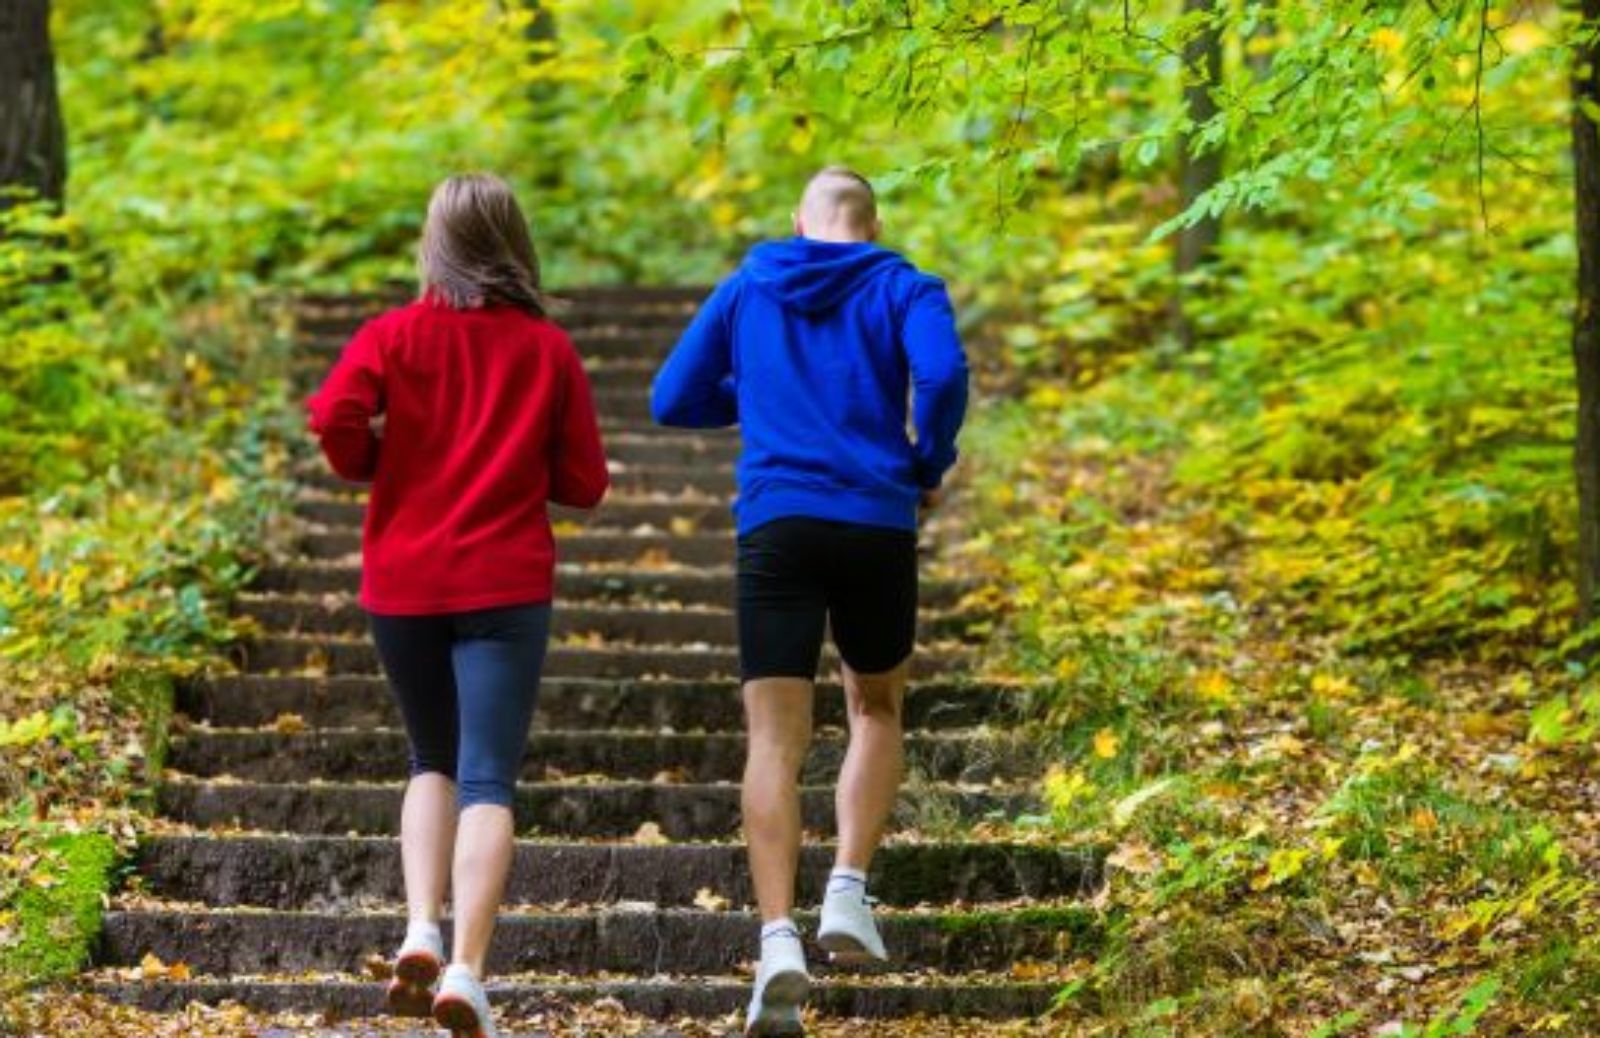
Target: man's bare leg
x,y
874,765
779,716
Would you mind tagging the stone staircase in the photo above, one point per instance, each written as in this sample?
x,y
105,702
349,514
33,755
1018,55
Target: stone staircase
x,y
275,873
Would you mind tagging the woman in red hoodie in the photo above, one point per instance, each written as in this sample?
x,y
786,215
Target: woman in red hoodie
x,y
468,410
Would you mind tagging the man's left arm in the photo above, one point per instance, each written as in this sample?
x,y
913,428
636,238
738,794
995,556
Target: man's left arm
x,y
695,387
938,379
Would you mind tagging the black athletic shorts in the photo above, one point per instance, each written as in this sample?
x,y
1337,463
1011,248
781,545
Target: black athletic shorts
x,y
798,575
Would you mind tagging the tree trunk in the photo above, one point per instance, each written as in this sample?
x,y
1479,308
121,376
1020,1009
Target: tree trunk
x,y
1586,321
1202,58
33,140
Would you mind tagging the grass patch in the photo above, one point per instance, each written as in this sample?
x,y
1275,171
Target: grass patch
x,y
50,930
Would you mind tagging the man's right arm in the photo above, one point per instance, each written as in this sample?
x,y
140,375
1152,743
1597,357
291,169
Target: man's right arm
x,y
695,387
938,378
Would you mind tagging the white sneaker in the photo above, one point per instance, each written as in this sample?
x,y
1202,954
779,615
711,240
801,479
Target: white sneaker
x,y
461,1007
417,966
847,930
782,986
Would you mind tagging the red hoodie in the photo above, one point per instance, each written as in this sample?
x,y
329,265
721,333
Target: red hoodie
x,y
488,416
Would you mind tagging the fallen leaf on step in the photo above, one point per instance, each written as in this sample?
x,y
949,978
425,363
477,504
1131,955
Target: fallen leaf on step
x,y
378,967
289,724
649,834
709,901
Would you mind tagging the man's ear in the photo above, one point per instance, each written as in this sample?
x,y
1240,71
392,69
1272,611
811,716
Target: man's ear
x,y
799,225
876,230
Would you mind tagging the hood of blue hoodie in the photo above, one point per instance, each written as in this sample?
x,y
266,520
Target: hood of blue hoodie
x,y
815,276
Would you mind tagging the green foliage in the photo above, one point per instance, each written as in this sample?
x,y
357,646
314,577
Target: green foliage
x,y
49,928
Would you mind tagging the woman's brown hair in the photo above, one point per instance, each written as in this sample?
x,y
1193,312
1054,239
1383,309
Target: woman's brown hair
x,y
476,248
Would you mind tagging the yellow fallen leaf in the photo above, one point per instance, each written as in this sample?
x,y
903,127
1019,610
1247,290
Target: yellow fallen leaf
x,y
1214,686
1136,858
289,724
709,901
649,834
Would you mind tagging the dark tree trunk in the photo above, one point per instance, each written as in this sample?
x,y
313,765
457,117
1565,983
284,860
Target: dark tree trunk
x,y
1586,321
33,140
1202,58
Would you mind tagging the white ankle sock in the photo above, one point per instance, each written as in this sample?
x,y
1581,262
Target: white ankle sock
x,y
844,881
420,931
780,930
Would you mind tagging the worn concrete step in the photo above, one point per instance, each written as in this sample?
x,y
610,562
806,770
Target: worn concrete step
x,y
677,514
600,297
667,447
600,344
623,512
337,614
251,700
659,446
337,873
577,547
938,1000
307,368
688,586
626,481
595,811
398,291
343,755
325,654
629,403
632,317
221,942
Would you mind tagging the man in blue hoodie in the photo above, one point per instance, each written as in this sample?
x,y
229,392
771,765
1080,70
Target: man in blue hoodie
x,y
813,347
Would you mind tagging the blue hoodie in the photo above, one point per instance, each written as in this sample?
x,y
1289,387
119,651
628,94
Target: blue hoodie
x,y
813,348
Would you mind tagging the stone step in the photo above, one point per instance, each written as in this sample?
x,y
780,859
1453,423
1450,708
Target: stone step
x,y
252,700
223,942
269,755
337,614
577,548
580,320
338,873
659,446
666,447
324,654
688,586
594,811
629,403
622,512
400,291
600,344
929,997
633,374
692,481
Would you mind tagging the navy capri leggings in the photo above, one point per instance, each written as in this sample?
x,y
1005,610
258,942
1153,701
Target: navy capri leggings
x,y
467,684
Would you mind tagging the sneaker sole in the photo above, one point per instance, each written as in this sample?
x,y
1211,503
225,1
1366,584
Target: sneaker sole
x,y
410,993
845,950
781,1000
457,1016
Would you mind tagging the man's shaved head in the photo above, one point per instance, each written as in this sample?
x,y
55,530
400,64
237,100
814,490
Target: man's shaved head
x,y
838,205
